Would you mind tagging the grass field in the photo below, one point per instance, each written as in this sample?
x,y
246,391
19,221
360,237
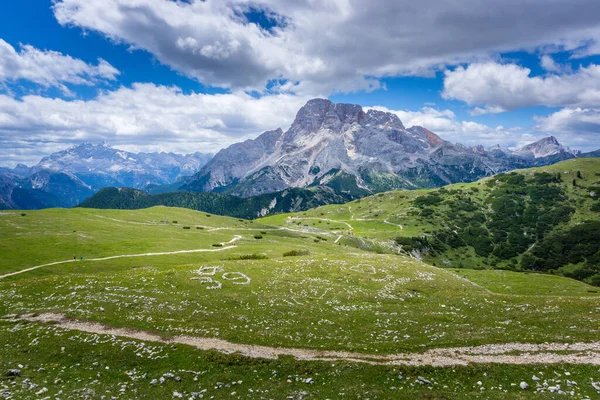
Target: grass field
x,y
239,287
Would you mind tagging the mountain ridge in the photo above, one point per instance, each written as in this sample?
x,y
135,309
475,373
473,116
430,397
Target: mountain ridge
x,y
68,177
372,146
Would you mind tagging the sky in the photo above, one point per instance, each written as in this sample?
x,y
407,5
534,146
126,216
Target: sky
x,y
199,75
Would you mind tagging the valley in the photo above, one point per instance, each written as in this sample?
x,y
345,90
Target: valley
x,y
299,200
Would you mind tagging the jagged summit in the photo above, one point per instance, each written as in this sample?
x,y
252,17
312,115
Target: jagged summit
x,y
100,165
341,145
548,146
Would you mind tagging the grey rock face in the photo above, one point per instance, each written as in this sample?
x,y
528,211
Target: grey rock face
x,y
328,137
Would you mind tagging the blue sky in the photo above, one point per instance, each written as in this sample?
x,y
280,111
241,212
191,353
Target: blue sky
x,y
196,75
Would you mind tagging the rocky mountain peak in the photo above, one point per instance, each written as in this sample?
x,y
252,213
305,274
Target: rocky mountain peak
x,y
320,114
382,120
545,147
346,148
431,138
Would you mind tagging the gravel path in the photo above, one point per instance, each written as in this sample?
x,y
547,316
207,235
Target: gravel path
x,y
547,353
166,253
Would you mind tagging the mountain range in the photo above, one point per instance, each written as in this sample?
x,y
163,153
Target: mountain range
x,y
331,153
68,177
356,151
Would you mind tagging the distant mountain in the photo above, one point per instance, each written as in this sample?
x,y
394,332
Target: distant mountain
x,y
14,197
289,200
68,177
547,147
100,165
342,146
69,189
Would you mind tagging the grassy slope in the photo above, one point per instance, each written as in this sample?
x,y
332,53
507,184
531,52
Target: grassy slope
x,y
338,297
385,216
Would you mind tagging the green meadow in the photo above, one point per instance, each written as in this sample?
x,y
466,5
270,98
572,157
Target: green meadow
x,y
330,279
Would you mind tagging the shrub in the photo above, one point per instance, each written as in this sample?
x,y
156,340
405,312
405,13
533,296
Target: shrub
x,y
427,212
428,200
258,237
23,214
174,222
218,245
199,227
296,253
187,227
252,257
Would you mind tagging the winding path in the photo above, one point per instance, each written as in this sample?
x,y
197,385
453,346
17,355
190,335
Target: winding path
x,y
547,353
165,253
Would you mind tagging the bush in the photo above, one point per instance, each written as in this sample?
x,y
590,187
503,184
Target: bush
x,y
428,200
199,227
296,253
187,227
218,245
174,222
252,257
258,237
427,212
23,214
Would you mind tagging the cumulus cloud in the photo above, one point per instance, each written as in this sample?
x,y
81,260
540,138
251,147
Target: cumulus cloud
x,y
548,63
581,125
50,68
144,117
333,45
502,87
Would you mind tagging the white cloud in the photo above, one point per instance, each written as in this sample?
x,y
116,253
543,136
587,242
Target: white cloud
x,y
50,68
501,87
548,63
331,45
580,125
144,117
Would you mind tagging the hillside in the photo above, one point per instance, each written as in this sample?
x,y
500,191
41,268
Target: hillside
x,y
288,200
173,303
544,219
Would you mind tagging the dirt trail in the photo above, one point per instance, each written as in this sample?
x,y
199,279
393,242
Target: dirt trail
x,y
166,253
322,219
391,223
576,353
